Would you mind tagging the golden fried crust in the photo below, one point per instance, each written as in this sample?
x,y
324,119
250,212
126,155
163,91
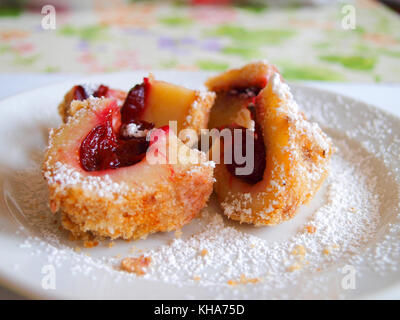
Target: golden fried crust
x,y
129,202
66,109
167,207
297,162
199,111
253,74
63,107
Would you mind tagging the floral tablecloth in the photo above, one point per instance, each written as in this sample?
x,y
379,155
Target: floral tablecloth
x,y
307,43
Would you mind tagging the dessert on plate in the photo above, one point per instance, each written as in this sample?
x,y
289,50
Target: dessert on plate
x,y
109,170
111,173
291,154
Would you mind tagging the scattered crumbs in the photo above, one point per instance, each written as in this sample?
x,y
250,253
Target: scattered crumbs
x,y
299,251
232,282
362,177
90,243
204,252
117,256
244,280
326,251
311,229
136,265
196,278
294,267
352,209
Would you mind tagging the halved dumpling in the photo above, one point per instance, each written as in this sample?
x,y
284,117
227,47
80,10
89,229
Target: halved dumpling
x,y
113,185
291,161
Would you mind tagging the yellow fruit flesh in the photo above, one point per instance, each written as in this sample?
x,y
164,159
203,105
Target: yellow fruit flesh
x,y
166,102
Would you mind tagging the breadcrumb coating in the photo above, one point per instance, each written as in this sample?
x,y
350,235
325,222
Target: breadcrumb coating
x,y
129,202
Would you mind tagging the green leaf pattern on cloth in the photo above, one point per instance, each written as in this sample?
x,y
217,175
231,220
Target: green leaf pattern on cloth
x,y
306,43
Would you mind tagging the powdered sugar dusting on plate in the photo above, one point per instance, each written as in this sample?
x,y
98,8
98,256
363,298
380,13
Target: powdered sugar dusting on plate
x,y
347,221
344,224
357,224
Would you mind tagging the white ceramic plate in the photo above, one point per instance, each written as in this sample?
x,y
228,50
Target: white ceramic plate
x,y
30,250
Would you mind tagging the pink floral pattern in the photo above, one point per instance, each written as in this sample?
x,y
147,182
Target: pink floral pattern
x,y
307,43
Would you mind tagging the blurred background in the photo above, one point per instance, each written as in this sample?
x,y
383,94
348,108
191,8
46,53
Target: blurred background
x,y
326,40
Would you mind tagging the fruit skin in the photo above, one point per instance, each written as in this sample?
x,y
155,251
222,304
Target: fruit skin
x,y
297,163
128,202
135,102
106,147
255,139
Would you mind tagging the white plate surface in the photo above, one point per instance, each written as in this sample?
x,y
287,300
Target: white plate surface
x,y
368,140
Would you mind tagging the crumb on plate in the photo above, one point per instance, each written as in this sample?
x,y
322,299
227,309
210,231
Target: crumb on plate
x,y
294,267
244,280
90,244
136,265
311,229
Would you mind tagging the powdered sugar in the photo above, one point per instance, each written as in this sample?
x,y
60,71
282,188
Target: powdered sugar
x,y
281,89
344,224
133,130
347,221
359,205
67,176
90,88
